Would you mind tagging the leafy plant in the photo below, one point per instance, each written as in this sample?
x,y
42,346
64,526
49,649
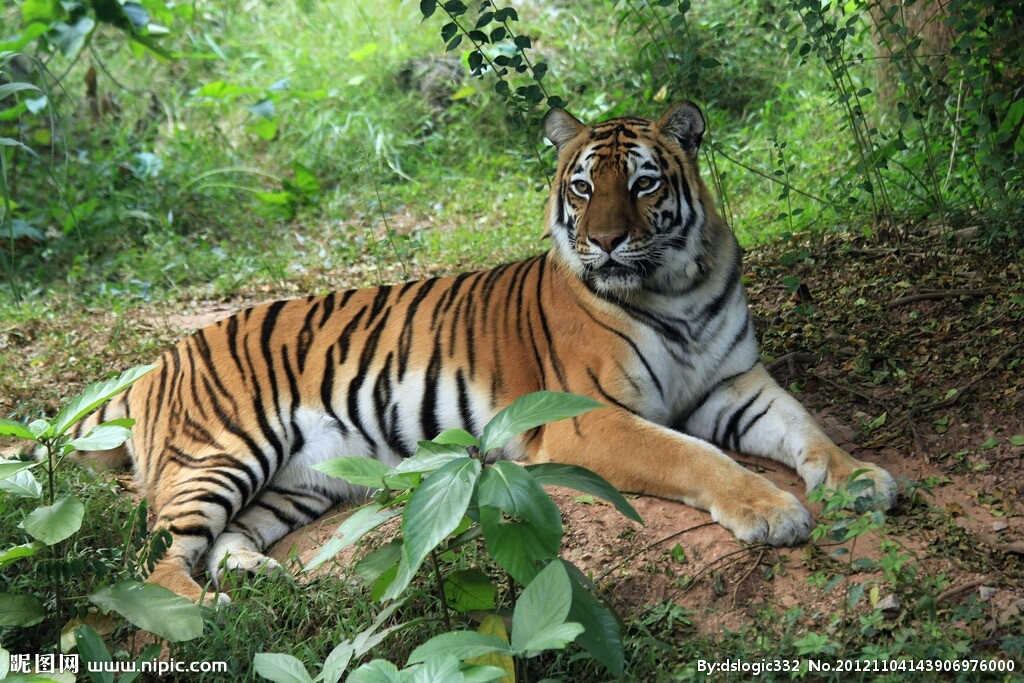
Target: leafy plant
x,y
54,523
449,494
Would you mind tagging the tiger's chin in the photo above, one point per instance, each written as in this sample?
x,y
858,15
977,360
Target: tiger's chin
x,y
616,280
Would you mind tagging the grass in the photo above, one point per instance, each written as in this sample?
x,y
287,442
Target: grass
x,y
164,205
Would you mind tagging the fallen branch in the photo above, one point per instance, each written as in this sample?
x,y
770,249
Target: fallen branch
x,y
791,360
936,294
954,592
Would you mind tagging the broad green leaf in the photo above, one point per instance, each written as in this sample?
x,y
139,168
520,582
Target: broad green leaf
x,y
22,484
94,396
462,644
41,428
518,546
70,38
582,479
280,668
377,671
529,411
16,429
53,523
430,457
153,608
602,634
355,470
305,180
16,43
457,437
468,590
517,492
43,11
551,638
362,521
375,563
20,610
521,524
9,468
102,438
538,622
435,509
336,663
19,551
93,651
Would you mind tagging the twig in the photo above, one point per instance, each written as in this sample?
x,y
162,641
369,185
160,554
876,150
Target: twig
x,y
792,359
1015,547
954,592
746,575
937,294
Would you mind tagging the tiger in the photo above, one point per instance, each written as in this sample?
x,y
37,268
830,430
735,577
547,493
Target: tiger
x,y
638,303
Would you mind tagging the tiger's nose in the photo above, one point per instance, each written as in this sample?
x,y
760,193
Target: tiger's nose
x,y
608,242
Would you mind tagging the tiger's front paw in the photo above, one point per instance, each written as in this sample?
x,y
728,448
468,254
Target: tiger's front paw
x,y
883,488
765,515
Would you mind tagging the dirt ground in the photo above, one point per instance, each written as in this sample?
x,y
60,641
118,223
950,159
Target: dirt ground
x,y
909,356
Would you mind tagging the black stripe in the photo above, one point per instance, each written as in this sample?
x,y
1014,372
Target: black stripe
x,y
428,409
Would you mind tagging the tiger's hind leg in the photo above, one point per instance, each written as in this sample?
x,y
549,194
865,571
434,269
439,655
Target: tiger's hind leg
x,y
295,497
194,497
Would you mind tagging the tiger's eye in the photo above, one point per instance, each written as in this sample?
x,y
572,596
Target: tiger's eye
x,y
581,187
644,183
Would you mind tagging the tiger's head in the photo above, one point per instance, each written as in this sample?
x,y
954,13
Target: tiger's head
x,y
627,207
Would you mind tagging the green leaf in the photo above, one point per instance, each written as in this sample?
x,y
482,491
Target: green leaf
x,y
521,524
9,468
377,671
375,563
468,590
16,429
435,509
305,180
582,479
20,610
529,411
22,484
1017,439
94,396
19,551
153,608
53,523
265,109
457,437
462,645
363,520
602,634
93,650
429,457
355,470
70,38
538,622
43,11
280,668
102,438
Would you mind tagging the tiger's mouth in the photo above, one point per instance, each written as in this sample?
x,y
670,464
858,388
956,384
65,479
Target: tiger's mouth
x,y
613,276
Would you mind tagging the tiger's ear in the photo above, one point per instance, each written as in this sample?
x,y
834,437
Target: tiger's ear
x,y
560,127
684,123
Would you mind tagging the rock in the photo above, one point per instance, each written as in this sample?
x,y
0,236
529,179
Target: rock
x,y
890,603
